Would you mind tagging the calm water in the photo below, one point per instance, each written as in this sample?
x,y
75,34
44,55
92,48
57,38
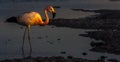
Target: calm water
x,y
45,42
44,39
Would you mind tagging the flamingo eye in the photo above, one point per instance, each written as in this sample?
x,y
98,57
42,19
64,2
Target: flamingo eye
x,y
50,10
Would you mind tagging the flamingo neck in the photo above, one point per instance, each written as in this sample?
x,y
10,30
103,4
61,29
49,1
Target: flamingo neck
x,y
47,18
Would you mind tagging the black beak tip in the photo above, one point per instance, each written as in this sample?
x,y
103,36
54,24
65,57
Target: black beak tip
x,y
54,14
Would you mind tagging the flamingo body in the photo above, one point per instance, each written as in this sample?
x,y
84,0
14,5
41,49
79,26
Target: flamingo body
x,y
30,18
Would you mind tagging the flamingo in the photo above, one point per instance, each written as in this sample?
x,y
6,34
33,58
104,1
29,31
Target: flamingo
x,y
33,18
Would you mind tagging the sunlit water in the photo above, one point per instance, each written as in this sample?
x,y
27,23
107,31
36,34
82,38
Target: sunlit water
x,y
45,39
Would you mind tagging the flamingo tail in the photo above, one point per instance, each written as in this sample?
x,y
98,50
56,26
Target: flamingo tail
x,y
12,19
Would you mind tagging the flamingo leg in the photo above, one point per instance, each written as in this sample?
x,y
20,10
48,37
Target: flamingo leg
x,y
29,40
23,41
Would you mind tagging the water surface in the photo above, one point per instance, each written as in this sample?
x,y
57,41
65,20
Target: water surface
x,y
45,39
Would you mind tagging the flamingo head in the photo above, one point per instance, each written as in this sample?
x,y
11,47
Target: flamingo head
x,y
51,10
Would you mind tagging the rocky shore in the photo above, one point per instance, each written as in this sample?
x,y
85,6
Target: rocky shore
x,y
110,44
56,59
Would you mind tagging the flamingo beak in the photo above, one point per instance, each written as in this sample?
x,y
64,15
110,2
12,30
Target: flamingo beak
x,y
54,14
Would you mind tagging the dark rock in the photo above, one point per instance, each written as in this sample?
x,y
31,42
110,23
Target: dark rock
x,y
40,38
113,60
84,53
58,39
103,57
56,6
69,57
50,42
95,44
63,52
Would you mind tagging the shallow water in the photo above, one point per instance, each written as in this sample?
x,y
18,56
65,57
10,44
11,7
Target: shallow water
x,y
45,42
45,39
